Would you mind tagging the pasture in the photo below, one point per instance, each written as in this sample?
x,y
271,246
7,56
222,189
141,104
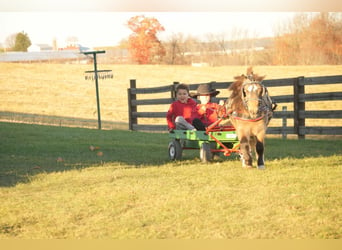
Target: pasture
x,y
79,183
61,90
54,187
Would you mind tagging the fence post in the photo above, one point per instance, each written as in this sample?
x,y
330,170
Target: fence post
x,y
173,90
298,106
284,134
131,97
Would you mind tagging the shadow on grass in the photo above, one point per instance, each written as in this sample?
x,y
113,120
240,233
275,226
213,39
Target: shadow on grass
x,y
27,150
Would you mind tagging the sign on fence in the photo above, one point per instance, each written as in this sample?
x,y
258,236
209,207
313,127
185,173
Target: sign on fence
x,y
95,75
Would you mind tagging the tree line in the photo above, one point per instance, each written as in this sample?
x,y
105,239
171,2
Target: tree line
x,y
307,39
310,40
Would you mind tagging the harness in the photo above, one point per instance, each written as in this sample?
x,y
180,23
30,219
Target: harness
x,y
242,117
266,105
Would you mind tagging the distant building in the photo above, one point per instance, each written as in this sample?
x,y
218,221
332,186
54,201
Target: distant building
x,y
39,47
77,47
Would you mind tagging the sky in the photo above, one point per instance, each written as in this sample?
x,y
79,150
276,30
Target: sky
x,y
103,22
109,28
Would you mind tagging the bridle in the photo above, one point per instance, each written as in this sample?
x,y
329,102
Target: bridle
x,y
250,80
265,105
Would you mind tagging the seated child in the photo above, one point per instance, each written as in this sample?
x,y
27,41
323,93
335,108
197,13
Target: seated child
x,y
183,111
207,110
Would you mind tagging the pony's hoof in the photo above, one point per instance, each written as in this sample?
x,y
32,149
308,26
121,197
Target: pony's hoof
x,y
261,167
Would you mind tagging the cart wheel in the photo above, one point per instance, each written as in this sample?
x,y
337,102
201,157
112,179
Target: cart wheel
x,y
205,153
175,150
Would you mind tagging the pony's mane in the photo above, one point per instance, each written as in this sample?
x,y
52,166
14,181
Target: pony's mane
x,y
236,87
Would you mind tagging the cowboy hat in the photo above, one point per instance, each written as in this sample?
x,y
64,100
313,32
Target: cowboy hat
x,y
205,89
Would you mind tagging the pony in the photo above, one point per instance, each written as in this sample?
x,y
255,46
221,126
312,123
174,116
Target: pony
x,y
250,109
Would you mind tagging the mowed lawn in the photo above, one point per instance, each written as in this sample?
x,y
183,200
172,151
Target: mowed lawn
x,y
53,186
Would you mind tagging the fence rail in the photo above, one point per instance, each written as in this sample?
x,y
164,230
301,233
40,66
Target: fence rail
x,y
299,98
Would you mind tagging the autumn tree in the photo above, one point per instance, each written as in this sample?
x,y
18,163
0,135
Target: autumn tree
x,y
22,42
143,43
310,40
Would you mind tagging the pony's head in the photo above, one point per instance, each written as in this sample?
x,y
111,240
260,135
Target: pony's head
x,y
252,92
247,92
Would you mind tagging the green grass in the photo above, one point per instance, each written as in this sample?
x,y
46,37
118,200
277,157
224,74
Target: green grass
x,y
134,192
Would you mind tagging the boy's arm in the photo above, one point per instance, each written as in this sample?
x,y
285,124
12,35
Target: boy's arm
x,y
169,118
201,109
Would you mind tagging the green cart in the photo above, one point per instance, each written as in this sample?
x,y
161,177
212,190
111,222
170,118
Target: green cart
x,y
214,139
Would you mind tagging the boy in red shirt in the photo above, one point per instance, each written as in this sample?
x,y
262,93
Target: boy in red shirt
x,y
183,111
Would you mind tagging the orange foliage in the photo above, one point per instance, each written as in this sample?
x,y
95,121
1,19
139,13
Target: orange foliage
x,y
144,45
316,41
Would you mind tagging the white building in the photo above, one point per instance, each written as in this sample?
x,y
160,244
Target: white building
x,y
39,47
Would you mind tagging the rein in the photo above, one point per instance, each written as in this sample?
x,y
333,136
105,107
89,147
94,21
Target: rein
x,y
236,117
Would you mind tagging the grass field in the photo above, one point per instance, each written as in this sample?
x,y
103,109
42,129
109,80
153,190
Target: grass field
x,y
53,186
61,90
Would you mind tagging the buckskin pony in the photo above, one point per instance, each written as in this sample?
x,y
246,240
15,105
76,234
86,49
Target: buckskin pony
x,y
250,109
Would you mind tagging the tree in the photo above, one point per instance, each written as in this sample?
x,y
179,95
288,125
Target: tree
x,y
310,40
174,49
10,41
22,42
143,44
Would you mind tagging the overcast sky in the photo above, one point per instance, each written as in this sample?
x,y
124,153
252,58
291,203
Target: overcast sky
x,y
109,28
103,22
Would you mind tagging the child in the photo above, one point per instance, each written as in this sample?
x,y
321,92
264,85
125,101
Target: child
x,y
183,111
206,109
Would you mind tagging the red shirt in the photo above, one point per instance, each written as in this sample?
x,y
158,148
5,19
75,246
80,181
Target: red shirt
x,y
209,115
187,110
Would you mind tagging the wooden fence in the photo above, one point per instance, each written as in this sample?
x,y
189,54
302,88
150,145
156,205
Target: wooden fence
x,y
299,98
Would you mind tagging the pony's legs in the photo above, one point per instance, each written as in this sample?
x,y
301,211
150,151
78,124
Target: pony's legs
x,y
252,143
249,144
246,155
260,153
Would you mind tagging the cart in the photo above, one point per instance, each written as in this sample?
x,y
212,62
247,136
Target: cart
x,y
215,139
